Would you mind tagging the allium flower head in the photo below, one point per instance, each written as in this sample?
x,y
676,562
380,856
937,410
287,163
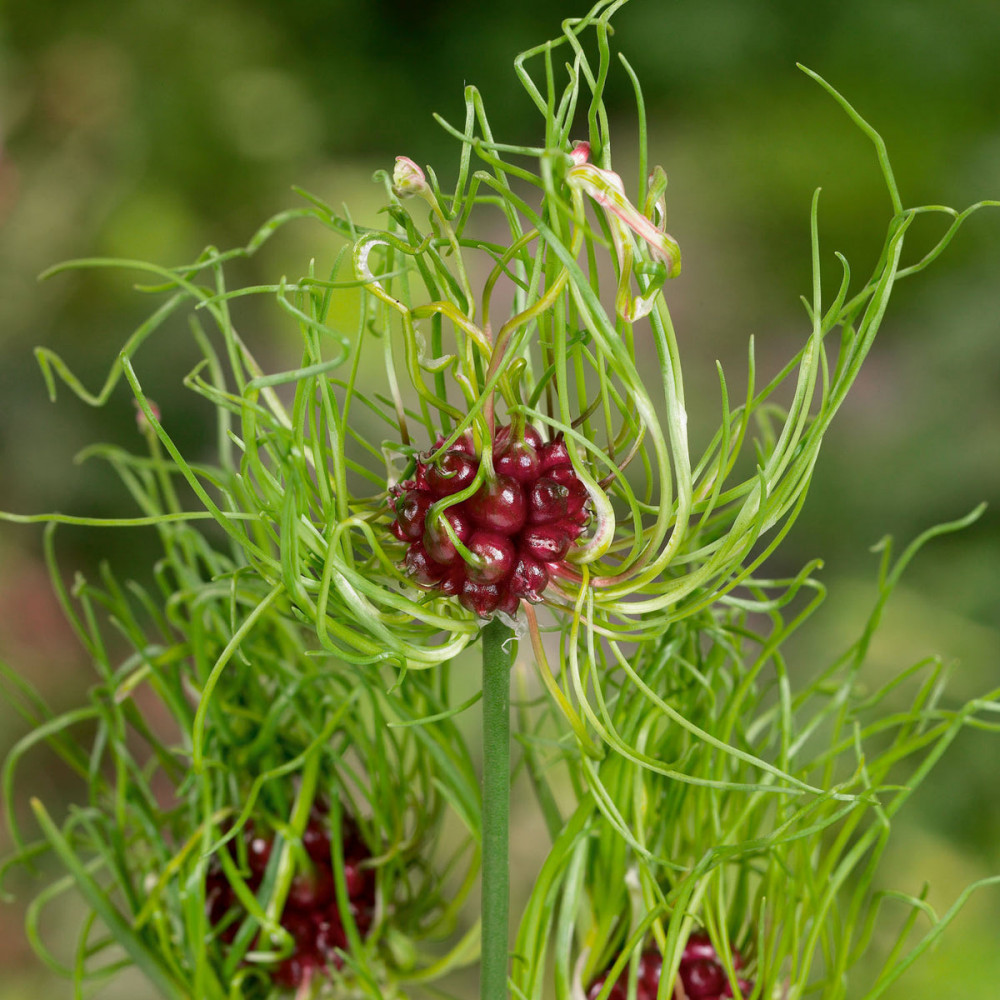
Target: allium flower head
x,y
702,975
311,915
503,542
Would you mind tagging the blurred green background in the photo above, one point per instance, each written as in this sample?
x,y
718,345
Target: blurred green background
x,y
150,128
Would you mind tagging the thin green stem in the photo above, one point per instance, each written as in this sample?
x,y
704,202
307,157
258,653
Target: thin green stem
x,y
498,654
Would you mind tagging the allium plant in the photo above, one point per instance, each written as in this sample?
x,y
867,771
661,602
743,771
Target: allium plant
x,y
285,816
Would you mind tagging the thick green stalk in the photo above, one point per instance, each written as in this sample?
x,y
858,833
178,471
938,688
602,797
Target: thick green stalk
x,y
498,654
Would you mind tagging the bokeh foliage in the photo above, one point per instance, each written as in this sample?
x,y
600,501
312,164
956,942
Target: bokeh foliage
x,y
151,129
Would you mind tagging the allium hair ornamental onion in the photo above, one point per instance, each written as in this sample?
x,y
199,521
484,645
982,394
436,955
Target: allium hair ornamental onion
x,y
506,540
312,915
484,440
702,975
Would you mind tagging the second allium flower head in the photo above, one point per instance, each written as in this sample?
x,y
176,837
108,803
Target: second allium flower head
x,y
702,975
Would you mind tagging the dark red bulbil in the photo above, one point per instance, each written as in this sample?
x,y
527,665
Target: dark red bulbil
x,y
424,570
437,541
702,978
548,543
553,455
702,974
481,598
553,502
529,579
452,472
495,557
518,526
502,439
518,459
411,511
311,915
499,506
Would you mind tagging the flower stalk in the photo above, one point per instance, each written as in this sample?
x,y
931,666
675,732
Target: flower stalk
x,y
499,647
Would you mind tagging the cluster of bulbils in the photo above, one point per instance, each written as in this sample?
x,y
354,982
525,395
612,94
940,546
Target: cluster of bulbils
x,y
701,973
516,529
311,915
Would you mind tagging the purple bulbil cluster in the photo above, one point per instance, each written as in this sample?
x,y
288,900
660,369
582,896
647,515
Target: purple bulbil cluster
x,y
518,526
311,914
701,974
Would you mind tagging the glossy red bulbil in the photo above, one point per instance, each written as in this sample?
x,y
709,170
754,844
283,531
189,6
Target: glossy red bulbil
x,y
499,506
495,557
502,438
702,974
553,455
452,472
517,528
548,543
437,541
311,915
424,570
411,512
518,459
481,598
529,577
